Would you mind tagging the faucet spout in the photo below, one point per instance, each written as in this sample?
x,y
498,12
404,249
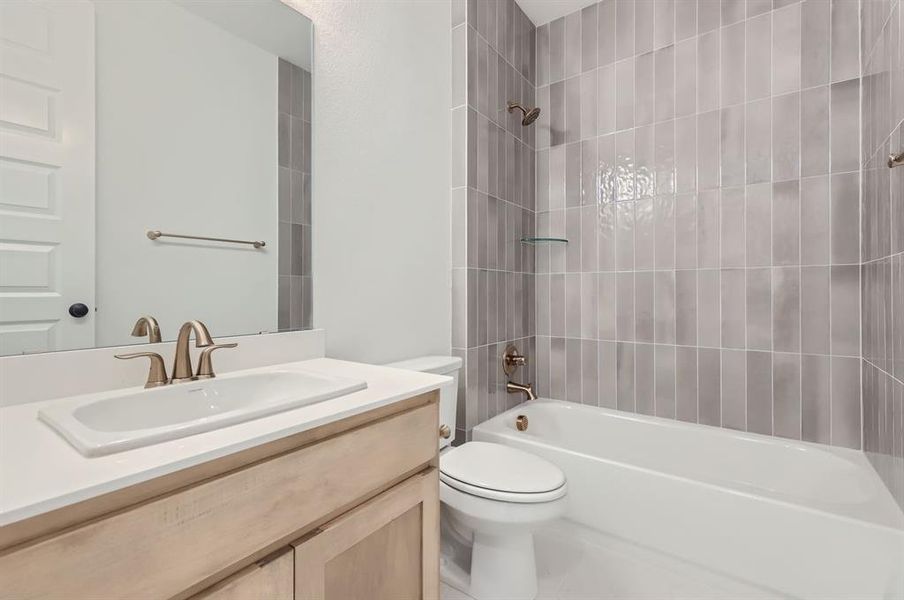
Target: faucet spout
x,y
524,388
182,370
147,326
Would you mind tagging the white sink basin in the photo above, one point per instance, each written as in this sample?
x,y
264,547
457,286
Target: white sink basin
x,y
98,424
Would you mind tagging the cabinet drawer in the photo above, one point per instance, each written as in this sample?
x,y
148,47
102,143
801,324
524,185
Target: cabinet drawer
x,y
270,580
169,544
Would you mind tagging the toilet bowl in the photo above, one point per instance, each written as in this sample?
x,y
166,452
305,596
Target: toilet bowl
x,y
493,499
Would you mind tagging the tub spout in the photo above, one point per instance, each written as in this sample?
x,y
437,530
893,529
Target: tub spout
x,y
525,388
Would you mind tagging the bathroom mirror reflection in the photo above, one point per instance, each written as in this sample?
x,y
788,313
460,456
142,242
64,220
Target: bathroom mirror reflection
x,y
122,120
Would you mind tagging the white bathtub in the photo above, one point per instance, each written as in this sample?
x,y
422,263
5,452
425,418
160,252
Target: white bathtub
x,y
800,519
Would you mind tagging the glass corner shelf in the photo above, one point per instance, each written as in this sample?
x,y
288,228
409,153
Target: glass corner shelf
x,y
535,241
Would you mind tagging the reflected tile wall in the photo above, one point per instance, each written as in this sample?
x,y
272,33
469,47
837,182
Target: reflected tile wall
x,y
295,292
882,244
493,196
702,163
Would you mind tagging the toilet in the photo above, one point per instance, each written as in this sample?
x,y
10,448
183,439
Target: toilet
x,y
493,499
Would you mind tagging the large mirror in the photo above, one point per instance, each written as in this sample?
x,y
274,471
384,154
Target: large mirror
x,y
126,124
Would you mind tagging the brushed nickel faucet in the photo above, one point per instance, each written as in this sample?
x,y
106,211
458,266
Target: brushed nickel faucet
x,y
525,388
511,360
205,365
147,326
182,363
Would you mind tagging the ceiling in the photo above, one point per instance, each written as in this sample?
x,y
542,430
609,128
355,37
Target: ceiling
x,y
544,11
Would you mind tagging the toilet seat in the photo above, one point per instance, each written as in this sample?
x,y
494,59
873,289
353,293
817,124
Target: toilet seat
x,y
501,473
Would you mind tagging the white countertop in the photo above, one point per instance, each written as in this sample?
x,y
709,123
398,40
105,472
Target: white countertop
x,y
40,471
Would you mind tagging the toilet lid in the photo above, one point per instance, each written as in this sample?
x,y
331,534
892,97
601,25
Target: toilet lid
x,y
477,466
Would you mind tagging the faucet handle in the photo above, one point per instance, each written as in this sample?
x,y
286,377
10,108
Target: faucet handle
x,y
156,371
205,364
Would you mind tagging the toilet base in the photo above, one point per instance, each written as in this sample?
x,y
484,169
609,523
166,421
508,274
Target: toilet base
x,y
502,568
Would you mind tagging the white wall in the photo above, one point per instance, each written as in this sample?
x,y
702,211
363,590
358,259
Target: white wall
x,y
381,148
186,143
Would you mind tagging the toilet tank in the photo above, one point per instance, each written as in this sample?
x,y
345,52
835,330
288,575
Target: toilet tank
x,y
448,394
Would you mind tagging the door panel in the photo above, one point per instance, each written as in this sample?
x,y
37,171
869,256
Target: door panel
x,y
270,579
386,549
46,174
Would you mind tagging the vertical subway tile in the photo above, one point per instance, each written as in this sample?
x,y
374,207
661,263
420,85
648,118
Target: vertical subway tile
x,y
573,370
663,23
786,137
607,311
815,27
845,218
758,122
664,60
814,295
759,309
733,307
588,105
624,28
845,107
686,383
734,389
644,375
786,223
589,29
685,19
572,44
665,381
643,306
708,149
664,307
786,382
732,146
686,231
606,37
708,308
664,157
732,227
686,154
845,289
709,385
815,398
708,226
709,15
643,26
686,307
759,57
759,225
625,306
759,392
814,131
846,423
625,377
606,99
733,59
624,93
542,45
815,235
644,99
573,109
758,7
708,72
786,309
786,48
845,48
664,215
589,373
557,50
686,78
608,373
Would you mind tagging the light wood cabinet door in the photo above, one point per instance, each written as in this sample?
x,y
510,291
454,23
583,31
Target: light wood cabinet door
x,y
386,549
269,579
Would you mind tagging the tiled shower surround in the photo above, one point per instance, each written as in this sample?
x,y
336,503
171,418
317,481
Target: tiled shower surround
x,y
883,242
294,138
492,202
701,158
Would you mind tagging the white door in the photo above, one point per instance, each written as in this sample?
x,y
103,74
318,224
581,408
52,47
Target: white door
x,y
46,175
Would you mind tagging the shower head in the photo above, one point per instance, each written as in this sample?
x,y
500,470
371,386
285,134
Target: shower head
x,y
528,115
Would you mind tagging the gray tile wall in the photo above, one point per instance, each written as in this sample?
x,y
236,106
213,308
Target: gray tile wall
x,y
492,201
702,159
294,138
883,242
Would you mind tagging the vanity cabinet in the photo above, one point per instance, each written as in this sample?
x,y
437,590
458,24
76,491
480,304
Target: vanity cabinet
x,y
346,510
